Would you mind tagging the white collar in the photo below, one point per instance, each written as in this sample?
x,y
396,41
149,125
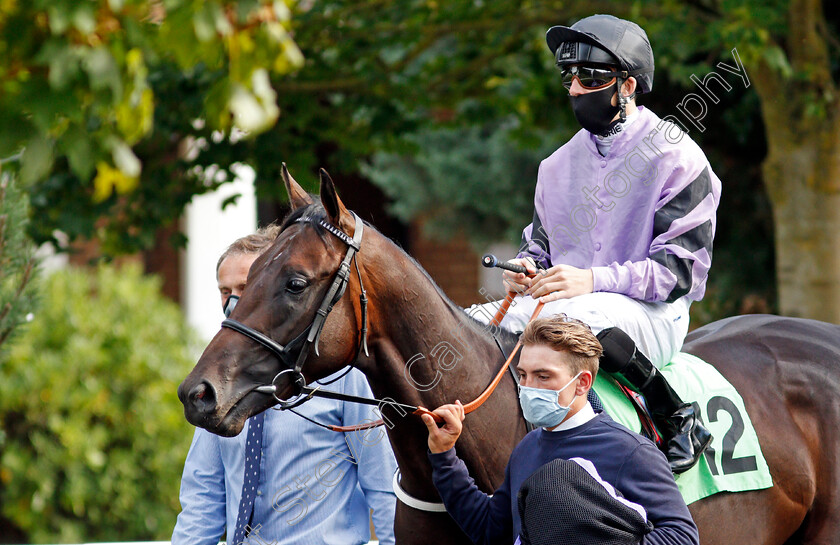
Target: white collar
x,y
584,415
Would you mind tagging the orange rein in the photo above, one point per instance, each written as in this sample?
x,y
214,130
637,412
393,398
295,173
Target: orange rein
x,y
485,395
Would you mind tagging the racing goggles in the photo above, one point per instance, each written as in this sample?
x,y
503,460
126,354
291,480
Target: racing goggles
x,y
588,76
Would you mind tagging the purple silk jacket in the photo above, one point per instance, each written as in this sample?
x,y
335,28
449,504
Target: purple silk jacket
x,y
642,218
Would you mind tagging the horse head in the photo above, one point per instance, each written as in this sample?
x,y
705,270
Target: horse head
x,y
270,331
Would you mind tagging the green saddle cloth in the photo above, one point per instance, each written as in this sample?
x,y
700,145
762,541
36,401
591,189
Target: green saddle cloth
x,y
733,462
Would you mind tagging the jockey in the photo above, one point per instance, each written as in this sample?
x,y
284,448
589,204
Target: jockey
x,y
624,219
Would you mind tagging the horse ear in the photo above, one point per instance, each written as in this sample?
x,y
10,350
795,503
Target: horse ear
x,y
336,212
298,198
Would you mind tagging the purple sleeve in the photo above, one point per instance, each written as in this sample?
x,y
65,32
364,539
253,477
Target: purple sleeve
x,y
646,479
485,519
681,249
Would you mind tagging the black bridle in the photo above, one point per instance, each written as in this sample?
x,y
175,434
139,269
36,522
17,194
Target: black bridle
x,y
309,337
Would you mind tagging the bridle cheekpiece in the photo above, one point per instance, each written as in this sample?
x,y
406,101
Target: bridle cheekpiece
x,y
308,338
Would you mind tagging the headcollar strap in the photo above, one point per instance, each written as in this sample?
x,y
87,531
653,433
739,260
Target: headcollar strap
x,y
339,285
354,242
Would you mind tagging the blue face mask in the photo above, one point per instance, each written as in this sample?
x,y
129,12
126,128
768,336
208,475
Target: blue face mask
x,y
540,406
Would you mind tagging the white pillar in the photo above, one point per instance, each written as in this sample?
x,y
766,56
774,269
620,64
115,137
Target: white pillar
x,y
210,231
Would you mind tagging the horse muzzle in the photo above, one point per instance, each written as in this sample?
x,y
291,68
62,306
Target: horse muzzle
x,y
199,401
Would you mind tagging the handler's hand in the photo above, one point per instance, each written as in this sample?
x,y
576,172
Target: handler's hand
x,y
561,282
519,282
443,438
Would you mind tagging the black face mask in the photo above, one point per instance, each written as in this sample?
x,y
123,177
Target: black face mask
x,y
594,111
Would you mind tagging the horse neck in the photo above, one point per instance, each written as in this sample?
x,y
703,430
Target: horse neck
x,y
426,352
424,336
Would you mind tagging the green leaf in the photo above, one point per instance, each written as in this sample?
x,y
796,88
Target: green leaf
x,y
63,64
84,18
80,151
60,15
231,200
102,71
204,23
36,161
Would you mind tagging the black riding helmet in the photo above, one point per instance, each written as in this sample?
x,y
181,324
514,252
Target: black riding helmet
x,y
605,40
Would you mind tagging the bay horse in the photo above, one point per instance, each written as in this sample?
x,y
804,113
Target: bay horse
x,y
786,369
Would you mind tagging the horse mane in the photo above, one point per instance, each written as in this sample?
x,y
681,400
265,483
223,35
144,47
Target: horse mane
x,y
315,212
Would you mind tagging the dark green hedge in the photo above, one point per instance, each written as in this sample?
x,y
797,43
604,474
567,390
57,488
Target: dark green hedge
x,y
93,436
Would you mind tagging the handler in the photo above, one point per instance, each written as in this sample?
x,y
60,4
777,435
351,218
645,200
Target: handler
x,y
624,218
558,363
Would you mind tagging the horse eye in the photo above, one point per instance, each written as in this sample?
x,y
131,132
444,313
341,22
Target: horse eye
x,y
296,285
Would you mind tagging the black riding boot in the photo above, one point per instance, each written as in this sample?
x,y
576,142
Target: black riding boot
x,y
684,438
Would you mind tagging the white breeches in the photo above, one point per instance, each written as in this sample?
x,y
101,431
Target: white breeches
x,y
657,328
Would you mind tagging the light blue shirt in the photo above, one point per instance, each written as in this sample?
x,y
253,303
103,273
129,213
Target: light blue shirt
x,y
316,486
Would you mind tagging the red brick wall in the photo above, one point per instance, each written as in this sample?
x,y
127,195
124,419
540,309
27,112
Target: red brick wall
x,y
164,261
453,265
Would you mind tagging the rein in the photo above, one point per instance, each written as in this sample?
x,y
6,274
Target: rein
x,y
485,395
490,261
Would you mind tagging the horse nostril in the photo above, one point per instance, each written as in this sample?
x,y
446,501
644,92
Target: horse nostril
x,y
203,397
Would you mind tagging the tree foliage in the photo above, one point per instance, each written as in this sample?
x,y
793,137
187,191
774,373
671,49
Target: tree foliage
x,y
476,181
378,77
103,98
377,74
122,106
18,267
93,436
